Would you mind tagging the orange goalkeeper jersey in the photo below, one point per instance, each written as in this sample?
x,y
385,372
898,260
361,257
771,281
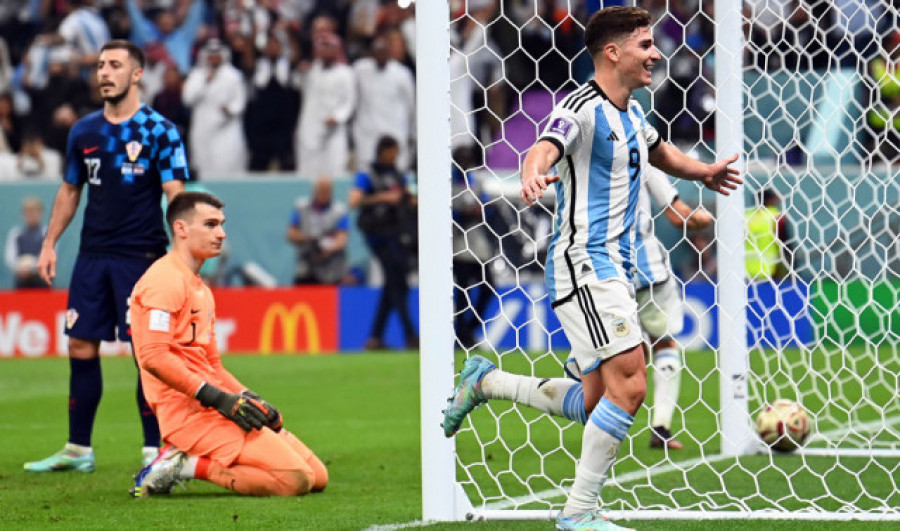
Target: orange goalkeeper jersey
x,y
172,326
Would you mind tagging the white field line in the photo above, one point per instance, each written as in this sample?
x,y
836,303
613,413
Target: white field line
x,y
677,466
629,477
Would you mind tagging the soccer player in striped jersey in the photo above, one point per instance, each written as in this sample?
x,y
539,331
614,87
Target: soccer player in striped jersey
x,y
128,155
659,298
601,145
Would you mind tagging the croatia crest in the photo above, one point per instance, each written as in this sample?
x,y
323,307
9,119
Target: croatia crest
x,y
133,149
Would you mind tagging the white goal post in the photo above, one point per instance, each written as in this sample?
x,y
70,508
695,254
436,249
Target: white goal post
x,y
826,334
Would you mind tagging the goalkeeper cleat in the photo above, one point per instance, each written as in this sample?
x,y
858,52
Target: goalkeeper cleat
x,y
587,520
161,475
467,395
660,437
65,459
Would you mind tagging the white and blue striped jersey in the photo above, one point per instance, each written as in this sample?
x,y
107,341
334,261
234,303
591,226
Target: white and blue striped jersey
x,y
652,259
603,160
85,29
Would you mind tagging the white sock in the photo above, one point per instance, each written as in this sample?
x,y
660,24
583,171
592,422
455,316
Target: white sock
x,y
545,394
77,449
666,385
188,468
603,434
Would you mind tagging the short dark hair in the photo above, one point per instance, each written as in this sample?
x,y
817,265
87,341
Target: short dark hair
x,y
185,202
613,23
384,143
133,49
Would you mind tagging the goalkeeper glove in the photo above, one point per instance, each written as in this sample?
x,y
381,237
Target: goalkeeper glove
x,y
243,411
273,416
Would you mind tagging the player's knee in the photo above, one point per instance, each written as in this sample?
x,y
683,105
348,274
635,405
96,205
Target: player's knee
x,y
321,477
292,482
83,349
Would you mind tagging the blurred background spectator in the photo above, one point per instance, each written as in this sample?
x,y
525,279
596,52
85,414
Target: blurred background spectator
x,y
473,250
273,110
884,113
329,99
386,211
216,94
176,30
23,245
387,105
319,229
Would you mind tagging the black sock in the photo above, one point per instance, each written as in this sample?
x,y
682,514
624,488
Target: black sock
x,y
85,390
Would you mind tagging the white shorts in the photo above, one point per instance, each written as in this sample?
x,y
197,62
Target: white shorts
x,y
600,321
661,309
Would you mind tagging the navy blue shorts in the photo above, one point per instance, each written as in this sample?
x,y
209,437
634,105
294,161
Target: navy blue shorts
x,y
99,295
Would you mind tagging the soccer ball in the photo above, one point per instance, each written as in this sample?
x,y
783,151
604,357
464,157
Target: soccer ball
x,y
783,425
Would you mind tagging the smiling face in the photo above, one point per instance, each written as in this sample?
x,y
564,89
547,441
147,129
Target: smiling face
x,y
635,56
117,75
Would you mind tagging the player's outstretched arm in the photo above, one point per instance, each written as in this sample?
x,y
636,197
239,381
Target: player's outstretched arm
x,y
540,158
64,206
719,177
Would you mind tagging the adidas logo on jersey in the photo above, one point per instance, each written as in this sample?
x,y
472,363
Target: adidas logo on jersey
x,y
613,137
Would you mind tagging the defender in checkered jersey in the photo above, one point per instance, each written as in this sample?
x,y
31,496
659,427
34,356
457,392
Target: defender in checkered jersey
x,y
128,155
601,145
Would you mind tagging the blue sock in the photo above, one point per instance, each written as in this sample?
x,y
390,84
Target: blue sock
x,y
573,404
85,390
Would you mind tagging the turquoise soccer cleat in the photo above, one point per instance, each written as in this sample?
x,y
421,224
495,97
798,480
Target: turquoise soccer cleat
x,y
467,395
62,461
587,520
161,475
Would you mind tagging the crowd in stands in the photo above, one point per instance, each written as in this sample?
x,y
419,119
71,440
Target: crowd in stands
x,y
265,83
308,86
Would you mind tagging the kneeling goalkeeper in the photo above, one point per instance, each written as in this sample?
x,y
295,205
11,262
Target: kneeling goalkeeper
x,y
215,429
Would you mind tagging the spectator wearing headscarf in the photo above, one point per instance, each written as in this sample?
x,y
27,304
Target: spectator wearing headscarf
x,y
215,92
329,99
387,105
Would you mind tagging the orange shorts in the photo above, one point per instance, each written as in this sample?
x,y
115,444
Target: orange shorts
x,y
209,434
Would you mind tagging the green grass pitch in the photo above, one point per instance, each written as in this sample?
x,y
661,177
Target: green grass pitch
x,y
360,413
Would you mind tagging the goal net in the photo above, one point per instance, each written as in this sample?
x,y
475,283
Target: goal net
x,y
807,93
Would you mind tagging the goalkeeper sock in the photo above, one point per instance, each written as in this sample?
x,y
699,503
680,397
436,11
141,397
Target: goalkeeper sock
x,y
195,468
608,426
556,396
85,390
666,385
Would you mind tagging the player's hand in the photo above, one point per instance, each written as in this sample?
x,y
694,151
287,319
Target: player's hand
x,y
533,187
243,411
722,178
46,264
273,416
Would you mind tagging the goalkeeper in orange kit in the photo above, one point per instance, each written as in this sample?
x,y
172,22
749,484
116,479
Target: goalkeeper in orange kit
x,y
214,427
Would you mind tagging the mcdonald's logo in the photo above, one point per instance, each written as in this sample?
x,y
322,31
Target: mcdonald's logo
x,y
300,313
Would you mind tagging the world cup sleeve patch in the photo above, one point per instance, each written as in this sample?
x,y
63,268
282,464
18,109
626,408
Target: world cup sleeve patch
x,y
159,320
561,127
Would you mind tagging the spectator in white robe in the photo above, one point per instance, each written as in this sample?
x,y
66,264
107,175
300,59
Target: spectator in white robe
x,y
329,99
216,93
387,105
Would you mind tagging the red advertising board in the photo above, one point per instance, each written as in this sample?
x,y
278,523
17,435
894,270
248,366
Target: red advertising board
x,y
287,320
